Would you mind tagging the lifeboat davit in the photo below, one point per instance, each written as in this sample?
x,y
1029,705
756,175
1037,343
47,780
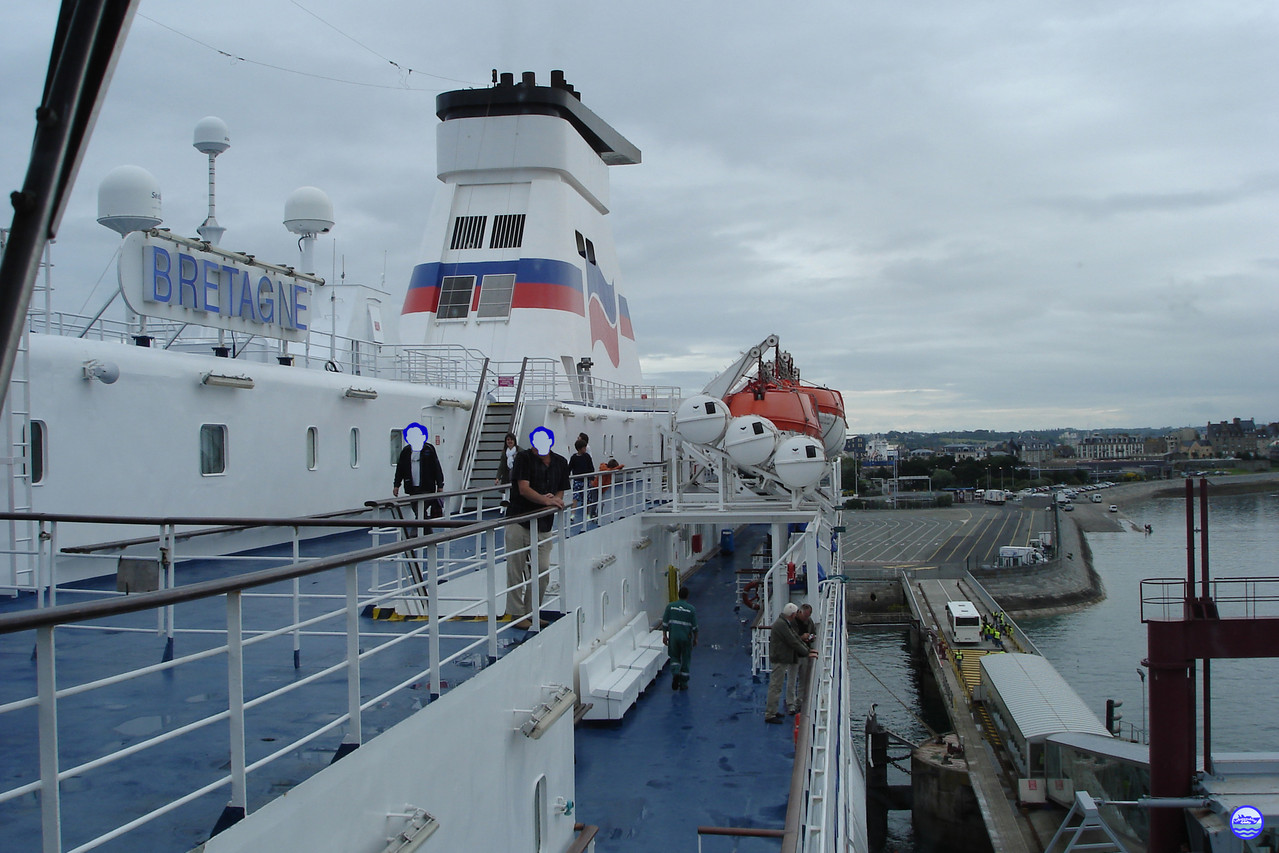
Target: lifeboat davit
x,y
791,408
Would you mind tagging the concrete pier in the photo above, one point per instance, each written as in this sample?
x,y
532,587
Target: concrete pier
x,y
947,807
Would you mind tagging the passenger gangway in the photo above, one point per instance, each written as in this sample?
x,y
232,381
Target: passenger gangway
x,y
995,697
957,669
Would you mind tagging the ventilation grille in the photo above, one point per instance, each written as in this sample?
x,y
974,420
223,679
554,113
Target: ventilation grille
x,y
468,232
508,231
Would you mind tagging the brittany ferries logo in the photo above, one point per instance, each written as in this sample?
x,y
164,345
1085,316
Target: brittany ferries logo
x,y
609,315
1247,822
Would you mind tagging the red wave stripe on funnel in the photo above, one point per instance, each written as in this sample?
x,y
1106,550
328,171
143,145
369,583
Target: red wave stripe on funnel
x,y
603,332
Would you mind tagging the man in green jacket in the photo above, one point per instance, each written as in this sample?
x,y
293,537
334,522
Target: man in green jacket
x,y
679,633
785,651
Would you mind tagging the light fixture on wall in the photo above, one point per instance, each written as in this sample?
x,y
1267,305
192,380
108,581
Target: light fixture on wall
x,y
563,410
452,403
603,561
223,380
105,372
418,826
560,700
360,393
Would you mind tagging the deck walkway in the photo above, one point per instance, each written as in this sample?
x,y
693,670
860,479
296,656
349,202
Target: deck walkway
x,y
704,753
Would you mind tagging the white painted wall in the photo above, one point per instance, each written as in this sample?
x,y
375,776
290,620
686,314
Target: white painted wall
x,y
133,447
459,759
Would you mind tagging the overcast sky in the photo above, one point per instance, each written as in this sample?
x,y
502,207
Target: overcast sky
x,y
1003,215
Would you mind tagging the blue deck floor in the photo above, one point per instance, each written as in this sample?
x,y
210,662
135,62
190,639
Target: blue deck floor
x,y
703,756
115,717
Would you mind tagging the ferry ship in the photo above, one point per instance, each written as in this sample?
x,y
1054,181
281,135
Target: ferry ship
x,y
190,664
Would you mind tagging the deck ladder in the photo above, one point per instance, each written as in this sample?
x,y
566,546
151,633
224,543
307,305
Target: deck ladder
x,y
20,557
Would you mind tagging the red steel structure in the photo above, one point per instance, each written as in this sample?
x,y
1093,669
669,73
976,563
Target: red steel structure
x,y
1192,628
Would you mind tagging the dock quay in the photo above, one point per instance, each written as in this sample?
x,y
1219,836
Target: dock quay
x,y
971,780
1012,716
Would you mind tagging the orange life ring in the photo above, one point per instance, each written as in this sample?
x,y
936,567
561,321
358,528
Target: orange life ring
x,y
749,595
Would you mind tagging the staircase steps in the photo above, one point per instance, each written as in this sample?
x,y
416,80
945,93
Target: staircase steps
x,y
488,449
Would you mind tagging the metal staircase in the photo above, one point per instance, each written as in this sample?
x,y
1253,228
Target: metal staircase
x,y
499,419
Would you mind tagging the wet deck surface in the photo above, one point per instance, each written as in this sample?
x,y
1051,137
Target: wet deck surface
x,y
115,717
702,756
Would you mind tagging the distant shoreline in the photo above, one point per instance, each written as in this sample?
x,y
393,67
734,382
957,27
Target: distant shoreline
x,y
1071,583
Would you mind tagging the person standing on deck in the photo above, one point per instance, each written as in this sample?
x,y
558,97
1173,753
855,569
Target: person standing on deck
x,y
785,651
579,465
418,470
505,464
805,625
679,634
538,480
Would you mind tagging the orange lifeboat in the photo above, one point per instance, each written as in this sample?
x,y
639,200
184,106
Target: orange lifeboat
x,y
789,407
830,413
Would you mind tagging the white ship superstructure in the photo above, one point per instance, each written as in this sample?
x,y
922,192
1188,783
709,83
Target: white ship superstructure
x,y
518,257
241,393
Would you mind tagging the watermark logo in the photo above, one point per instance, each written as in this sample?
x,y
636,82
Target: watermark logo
x,y
1246,822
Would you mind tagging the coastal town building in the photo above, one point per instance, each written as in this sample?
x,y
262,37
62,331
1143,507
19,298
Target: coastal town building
x,y
1119,446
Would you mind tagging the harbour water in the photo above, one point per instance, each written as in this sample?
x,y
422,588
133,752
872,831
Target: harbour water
x,y
1099,648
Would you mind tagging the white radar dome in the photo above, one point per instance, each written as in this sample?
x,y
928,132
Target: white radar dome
x,y
308,211
750,440
702,419
211,136
129,200
800,461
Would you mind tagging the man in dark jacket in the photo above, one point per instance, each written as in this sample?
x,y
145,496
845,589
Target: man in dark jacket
x,y
418,470
785,651
538,481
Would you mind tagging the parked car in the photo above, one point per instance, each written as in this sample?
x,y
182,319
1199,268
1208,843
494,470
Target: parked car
x,y
1068,508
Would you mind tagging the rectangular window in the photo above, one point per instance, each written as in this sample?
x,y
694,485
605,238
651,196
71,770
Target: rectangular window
x,y
455,297
581,243
495,295
468,232
397,444
212,449
312,448
355,447
590,251
508,231
36,452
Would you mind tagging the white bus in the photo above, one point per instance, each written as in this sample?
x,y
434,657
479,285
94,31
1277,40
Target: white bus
x,y
965,622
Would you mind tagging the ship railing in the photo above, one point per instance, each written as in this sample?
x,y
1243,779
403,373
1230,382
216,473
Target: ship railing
x,y
1169,599
545,380
355,681
775,589
825,794
443,365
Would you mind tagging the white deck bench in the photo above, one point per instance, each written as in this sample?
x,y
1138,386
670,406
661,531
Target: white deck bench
x,y
644,634
610,690
627,653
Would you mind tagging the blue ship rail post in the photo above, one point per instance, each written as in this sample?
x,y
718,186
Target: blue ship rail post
x,y
1183,628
